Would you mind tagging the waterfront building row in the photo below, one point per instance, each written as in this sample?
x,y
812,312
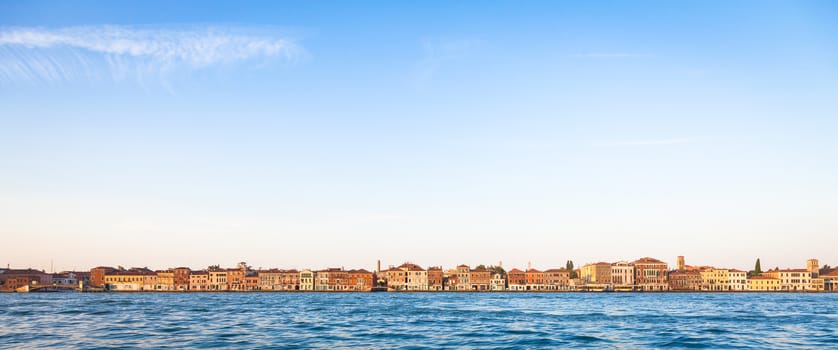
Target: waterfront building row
x,y
240,278
645,274
708,278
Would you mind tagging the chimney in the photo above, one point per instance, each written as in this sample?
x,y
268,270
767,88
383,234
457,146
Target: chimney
x,y
378,267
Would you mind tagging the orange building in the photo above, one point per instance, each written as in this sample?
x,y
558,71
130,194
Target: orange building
x,y
150,282
535,280
290,280
450,281
251,282
181,278
435,278
97,275
480,279
557,279
235,279
516,280
650,274
331,280
360,280
685,280
339,280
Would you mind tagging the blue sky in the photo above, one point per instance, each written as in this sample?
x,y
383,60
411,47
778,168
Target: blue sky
x,y
319,134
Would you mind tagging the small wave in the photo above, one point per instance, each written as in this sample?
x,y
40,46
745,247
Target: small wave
x,y
588,339
685,342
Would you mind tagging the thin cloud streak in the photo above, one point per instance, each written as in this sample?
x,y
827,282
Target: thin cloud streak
x,y
41,55
611,55
439,52
645,143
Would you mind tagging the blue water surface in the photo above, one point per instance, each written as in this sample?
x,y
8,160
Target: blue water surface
x,y
418,320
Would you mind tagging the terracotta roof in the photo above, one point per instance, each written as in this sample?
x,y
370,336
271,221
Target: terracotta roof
x,y
762,278
132,273
411,267
558,270
789,270
22,272
331,270
648,260
515,271
533,271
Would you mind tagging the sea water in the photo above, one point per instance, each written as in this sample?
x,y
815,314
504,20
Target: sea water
x,y
419,320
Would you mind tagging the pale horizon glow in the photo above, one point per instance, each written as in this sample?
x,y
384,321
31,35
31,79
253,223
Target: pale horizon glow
x,y
313,135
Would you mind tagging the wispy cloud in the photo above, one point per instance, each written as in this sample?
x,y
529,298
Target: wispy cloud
x,y
605,55
644,142
439,52
29,54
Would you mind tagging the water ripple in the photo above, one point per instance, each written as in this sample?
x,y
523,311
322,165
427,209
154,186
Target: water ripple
x,y
418,320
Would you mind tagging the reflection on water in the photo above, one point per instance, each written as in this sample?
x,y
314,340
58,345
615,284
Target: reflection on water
x,y
388,320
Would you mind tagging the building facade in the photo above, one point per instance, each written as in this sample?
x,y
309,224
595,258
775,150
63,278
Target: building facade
x,y
650,275
556,279
480,280
436,278
306,280
793,280
764,284
516,280
622,274
685,280
596,273
199,280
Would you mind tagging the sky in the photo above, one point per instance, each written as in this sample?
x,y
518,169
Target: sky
x,y
321,134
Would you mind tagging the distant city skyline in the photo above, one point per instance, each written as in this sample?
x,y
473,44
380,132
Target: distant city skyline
x,y
325,134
